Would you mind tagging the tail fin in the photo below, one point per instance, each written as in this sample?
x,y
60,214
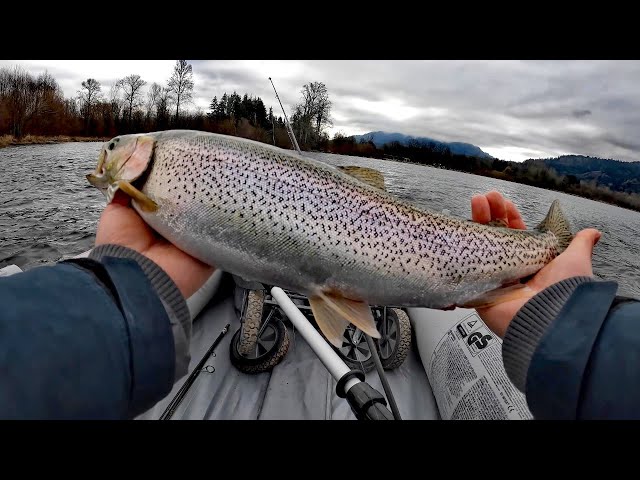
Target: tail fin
x,y
556,222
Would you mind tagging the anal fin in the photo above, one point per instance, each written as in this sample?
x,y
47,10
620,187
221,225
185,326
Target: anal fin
x,y
332,325
334,313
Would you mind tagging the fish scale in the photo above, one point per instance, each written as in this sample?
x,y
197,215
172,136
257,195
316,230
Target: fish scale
x,y
272,216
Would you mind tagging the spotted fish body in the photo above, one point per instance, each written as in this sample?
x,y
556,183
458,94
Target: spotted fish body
x,y
272,216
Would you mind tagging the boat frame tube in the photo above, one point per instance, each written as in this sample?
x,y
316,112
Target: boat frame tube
x,y
365,401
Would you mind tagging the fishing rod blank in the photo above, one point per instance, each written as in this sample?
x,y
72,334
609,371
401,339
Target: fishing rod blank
x,y
292,137
175,403
383,377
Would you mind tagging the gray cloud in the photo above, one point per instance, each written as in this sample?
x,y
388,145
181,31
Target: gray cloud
x,y
581,113
538,108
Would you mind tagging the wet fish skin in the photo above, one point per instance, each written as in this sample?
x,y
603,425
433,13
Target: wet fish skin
x,y
272,216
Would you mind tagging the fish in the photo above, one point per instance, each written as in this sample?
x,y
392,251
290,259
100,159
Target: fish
x,y
273,216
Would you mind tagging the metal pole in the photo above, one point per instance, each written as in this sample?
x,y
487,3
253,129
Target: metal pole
x,y
325,353
292,137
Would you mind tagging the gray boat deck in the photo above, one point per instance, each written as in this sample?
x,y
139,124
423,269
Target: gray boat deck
x,y
300,387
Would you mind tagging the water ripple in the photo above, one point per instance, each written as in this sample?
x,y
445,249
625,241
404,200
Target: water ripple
x,y
616,257
48,211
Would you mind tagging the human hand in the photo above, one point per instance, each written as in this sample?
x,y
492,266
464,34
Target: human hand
x,y
574,261
121,225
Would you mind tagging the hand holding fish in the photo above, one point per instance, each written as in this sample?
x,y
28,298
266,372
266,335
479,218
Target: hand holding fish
x,y
121,225
574,261
268,215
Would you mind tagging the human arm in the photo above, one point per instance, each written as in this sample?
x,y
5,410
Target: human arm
x,y
103,337
83,339
572,346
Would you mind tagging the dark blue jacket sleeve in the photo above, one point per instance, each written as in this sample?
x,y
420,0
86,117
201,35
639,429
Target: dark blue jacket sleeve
x,y
83,340
585,364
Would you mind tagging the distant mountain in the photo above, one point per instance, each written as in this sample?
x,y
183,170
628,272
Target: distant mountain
x,y
617,175
382,138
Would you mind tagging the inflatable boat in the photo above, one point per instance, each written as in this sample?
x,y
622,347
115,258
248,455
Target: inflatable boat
x,y
256,354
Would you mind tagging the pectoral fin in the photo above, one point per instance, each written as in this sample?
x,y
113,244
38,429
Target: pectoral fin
x,y
333,314
145,202
500,295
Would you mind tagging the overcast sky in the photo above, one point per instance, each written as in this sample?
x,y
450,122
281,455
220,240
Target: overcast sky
x,y
511,109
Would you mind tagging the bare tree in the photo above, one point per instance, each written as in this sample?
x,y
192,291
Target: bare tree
x,y
181,84
29,99
89,95
322,111
5,81
17,99
312,114
116,104
132,88
46,97
158,103
152,100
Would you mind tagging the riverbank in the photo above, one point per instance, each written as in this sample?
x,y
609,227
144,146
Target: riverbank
x,y
10,140
552,182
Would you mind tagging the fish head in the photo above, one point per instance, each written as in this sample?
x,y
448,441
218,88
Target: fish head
x,y
122,159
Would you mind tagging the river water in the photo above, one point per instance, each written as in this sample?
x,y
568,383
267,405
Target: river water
x,y
48,210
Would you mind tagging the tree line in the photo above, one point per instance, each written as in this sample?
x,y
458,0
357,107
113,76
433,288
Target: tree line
x,y
535,173
35,105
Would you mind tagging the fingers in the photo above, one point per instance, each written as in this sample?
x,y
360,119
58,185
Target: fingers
x,y
480,210
120,224
513,216
493,206
497,205
584,241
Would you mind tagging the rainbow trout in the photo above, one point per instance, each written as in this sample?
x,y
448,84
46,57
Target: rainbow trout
x,y
271,216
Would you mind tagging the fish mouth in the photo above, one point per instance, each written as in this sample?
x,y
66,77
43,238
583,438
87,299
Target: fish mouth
x,y
100,181
99,178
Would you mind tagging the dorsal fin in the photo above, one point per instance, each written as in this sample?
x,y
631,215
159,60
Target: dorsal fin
x,y
366,175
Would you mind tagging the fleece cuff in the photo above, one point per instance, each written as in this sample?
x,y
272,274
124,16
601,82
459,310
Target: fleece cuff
x,y
529,325
170,296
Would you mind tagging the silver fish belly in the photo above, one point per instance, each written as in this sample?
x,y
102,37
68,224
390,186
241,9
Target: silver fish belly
x,y
269,215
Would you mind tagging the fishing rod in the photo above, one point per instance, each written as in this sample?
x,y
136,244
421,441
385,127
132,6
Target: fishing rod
x,y
292,137
383,377
175,403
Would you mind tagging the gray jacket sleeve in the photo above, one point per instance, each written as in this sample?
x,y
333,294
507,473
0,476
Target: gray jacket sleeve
x,y
529,325
573,350
169,294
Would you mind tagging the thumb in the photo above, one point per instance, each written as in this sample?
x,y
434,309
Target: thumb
x,y
583,243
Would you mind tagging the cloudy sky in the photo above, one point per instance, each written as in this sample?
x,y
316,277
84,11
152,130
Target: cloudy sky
x,y
511,109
